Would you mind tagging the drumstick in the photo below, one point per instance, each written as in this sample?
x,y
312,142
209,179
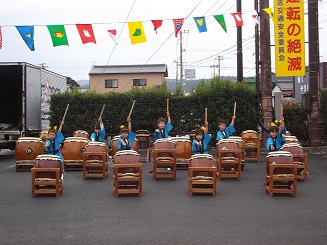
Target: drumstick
x,y
102,111
130,112
281,111
234,108
63,118
167,105
205,115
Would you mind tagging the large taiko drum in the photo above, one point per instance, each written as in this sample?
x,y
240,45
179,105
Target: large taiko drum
x,y
126,157
73,148
27,149
81,133
279,157
291,139
48,161
94,146
184,148
201,160
114,145
228,144
241,147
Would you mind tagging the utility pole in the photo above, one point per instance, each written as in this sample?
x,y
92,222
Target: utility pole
x,y
214,70
265,62
181,59
256,47
219,59
239,46
315,124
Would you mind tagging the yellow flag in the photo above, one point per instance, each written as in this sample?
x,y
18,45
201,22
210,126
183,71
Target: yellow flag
x,y
270,12
136,32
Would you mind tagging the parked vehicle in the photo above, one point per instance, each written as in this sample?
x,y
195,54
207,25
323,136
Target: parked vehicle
x,y
20,97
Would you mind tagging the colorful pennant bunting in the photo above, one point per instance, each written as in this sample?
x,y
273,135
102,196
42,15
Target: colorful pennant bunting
x,y
27,33
58,35
156,24
255,17
113,35
221,20
178,23
86,33
238,19
136,32
201,24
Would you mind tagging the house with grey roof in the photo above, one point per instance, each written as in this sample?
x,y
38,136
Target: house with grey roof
x,y
120,78
285,87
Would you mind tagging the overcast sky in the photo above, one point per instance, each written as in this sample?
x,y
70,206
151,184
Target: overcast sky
x,y
76,60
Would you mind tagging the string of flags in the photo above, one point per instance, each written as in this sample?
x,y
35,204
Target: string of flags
x,y
136,31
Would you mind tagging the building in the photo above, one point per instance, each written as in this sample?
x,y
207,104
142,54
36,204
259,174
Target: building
x,y
285,87
120,78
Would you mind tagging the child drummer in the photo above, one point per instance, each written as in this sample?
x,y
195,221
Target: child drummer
x,y
225,131
55,138
202,139
163,128
99,131
126,137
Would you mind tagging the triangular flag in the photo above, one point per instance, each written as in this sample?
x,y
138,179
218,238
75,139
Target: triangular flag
x,y
27,33
0,38
86,33
221,20
269,11
58,35
238,18
178,23
113,34
201,24
156,24
136,32
255,17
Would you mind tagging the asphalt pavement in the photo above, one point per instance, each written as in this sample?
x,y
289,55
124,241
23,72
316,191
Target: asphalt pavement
x,y
87,212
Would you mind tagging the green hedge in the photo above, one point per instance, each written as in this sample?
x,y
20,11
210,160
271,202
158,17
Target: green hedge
x,y
296,121
187,112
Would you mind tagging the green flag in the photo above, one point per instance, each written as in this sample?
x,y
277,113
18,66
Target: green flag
x,y
58,35
221,20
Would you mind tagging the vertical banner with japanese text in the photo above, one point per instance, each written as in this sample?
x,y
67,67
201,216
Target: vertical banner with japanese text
x,y
289,38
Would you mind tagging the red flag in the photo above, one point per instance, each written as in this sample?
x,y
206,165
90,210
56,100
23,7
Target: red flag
x,y
156,24
178,25
0,38
86,33
238,18
113,35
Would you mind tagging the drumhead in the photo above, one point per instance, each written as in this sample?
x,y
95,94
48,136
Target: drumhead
x,y
29,139
249,131
126,152
48,157
279,153
198,156
96,143
76,139
81,132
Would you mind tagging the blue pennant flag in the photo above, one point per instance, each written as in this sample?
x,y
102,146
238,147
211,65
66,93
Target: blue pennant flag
x,y
27,33
201,23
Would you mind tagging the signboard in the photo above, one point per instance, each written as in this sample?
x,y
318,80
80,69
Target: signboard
x,y
189,73
289,37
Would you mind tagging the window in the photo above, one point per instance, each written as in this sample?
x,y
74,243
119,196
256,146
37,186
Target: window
x,y
111,83
158,86
139,82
